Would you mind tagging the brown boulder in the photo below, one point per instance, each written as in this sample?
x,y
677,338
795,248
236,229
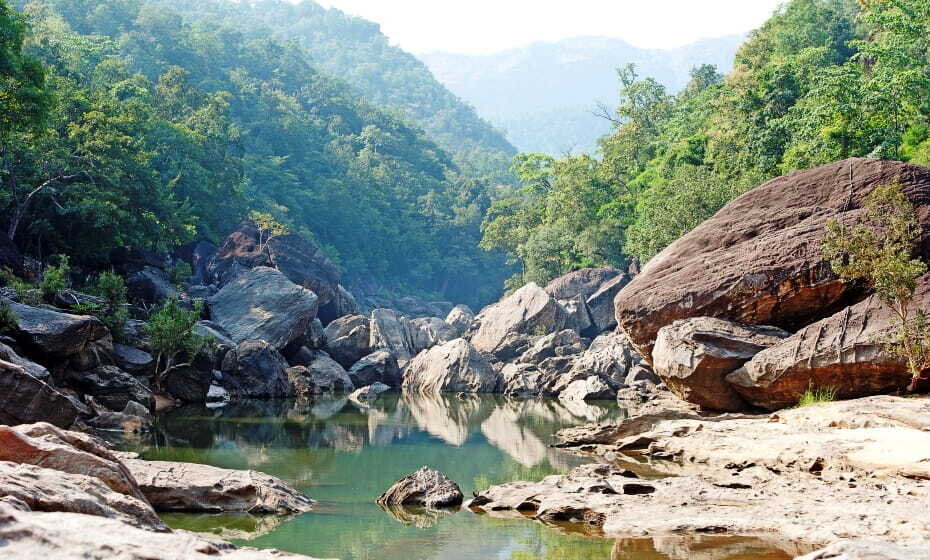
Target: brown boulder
x,y
846,352
25,397
757,261
694,356
584,282
69,452
202,488
529,310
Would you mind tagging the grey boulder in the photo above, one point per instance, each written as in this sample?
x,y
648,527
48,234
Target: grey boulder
x,y
529,310
255,369
453,367
426,487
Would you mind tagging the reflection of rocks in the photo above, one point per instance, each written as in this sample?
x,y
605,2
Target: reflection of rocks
x,y
448,418
234,526
700,547
504,431
419,517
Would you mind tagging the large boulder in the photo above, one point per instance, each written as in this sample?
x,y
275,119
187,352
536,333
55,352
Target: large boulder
x,y
461,319
453,367
255,369
262,304
562,343
694,356
133,360
49,447
202,488
348,339
150,287
188,383
198,254
584,282
44,489
578,316
378,367
426,487
846,352
758,260
26,398
53,334
601,304
342,304
391,332
529,310
427,332
297,258
317,373
112,387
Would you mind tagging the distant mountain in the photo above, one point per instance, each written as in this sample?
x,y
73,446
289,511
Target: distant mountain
x,y
542,95
356,51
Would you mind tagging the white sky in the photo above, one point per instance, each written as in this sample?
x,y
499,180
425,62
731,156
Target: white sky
x,y
484,26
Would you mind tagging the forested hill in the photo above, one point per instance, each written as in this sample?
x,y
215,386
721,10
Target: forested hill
x,y
356,51
821,81
544,95
151,131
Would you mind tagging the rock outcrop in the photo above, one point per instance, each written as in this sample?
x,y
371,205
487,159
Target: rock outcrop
x,y
529,310
202,488
584,282
27,398
846,352
255,369
694,356
426,487
298,259
54,334
262,304
757,261
391,332
348,339
453,367
112,387
460,319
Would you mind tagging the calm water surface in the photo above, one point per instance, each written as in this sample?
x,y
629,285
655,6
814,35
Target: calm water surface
x,y
345,455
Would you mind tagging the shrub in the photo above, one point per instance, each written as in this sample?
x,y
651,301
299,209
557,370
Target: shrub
x,y
7,318
180,273
171,332
55,279
26,293
880,251
114,313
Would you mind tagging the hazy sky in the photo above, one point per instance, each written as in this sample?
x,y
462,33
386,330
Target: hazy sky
x,y
482,26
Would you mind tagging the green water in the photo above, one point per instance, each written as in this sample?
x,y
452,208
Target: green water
x,y
344,456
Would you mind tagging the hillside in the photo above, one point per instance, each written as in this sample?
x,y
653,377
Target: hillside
x,y
175,131
358,52
543,95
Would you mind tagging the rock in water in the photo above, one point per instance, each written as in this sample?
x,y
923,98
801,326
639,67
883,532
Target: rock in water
x,y
846,352
758,260
256,370
202,488
262,304
694,356
113,387
529,310
426,487
453,367
369,393
377,367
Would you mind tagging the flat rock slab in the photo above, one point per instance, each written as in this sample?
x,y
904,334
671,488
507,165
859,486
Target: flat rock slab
x,y
605,500
73,536
201,488
426,487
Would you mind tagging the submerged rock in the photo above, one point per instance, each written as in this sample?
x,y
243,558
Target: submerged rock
x,y
201,488
426,487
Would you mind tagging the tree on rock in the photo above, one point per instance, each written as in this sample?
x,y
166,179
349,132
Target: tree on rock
x,y
880,250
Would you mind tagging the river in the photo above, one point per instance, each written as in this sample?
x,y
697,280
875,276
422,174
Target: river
x,y
344,455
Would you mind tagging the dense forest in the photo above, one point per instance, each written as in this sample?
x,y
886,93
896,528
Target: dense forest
x,y
127,124
355,50
822,80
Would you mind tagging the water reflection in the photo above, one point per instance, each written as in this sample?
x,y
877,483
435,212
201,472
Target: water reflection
x,y
346,455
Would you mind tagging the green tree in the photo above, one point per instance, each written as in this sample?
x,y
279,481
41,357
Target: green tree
x,y
880,251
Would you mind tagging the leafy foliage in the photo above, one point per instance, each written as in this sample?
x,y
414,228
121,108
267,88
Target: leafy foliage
x,y
813,396
114,313
8,321
880,251
822,80
171,331
55,279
